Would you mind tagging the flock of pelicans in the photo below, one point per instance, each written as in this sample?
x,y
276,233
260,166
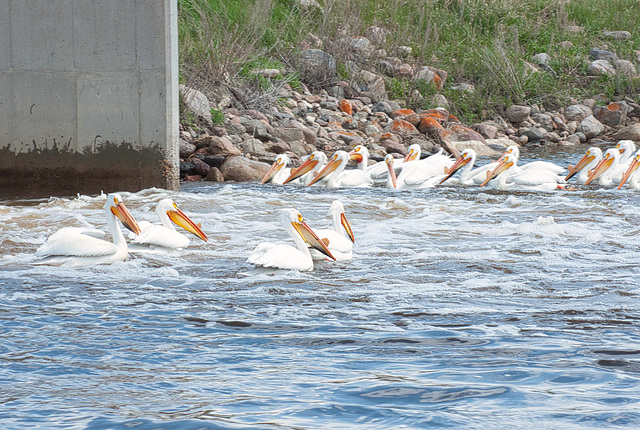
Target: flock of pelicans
x,y
83,246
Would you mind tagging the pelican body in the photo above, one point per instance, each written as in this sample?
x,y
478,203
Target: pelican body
x,y
630,174
164,235
278,173
533,180
71,246
283,256
339,177
339,239
589,160
309,169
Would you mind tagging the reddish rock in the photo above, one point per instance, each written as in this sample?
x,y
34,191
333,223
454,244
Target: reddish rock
x,y
428,124
401,126
201,168
413,119
243,169
392,146
401,112
217,145
465,133
192,178
346,106
280,147
214,175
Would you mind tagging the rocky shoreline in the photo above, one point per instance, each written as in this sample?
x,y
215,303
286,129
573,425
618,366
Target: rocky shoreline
x,y
243,145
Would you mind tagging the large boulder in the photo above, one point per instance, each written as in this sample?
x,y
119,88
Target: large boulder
x,y
217,145
517,113
613,114
196,102
242,169
591,127
631,132
577,112
317,65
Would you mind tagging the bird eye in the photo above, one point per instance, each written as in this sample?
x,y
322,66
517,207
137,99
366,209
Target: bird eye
x,y
300,218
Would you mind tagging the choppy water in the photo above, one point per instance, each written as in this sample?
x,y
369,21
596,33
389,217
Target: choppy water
x,y
461,309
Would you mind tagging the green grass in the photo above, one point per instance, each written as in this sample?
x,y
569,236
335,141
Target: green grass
x,y
483,42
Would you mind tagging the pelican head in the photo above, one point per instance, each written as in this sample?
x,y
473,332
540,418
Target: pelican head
x,y
179,218
612,155
512,149
635,163
282,160
392,173
312,161
467,156
359,154
340,158
626,145
337,209
116,206
413,153
507,160
295,218
591,154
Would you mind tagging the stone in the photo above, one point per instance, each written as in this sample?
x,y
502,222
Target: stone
x,y
617,35
600,54
591,127
533,134
243,169
256,128
566,44
266,73
187,168
253,147
517,113
214,175
487,131
542,58
196,102
214,160
601,67
577,112
391,145
200,167
288,134
376,35
280,147
218,145
631,132
481,148
626,68
614,114
186,148
404,51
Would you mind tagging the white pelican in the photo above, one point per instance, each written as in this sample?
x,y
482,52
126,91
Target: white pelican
x,y
607,172
469,175
339,177
309,169
538,165
589,160
424,173
72,246
338,239
533,180
627,149
378,171
279,172
282,256
164,235
630,174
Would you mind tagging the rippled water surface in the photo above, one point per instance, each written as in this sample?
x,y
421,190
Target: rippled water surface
x,y
461,309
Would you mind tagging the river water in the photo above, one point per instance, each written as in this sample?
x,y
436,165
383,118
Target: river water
x,y
462,308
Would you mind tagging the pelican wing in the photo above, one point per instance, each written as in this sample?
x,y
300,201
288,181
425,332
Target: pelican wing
x,y
158,235
78,242
378,171
336,241
535,177
279,256
355,178
544,165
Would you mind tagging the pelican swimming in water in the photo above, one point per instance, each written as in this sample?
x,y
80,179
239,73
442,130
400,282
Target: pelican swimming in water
x,y
279,172
630,174
71,246
164,235
339,239
532,180
424,173
536,165
282,256
378,171
606,171
589,160
309,169
469,175
338,176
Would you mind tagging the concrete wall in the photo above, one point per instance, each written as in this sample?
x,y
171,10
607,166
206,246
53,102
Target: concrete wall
x,y
88,96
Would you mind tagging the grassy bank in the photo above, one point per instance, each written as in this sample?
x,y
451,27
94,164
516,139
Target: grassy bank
x,y
482,42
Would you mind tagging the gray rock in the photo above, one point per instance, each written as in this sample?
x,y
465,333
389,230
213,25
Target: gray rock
x,y
481,148
256,128
253,147
534,134
280,147
218,145
288,134
200,167
214,175
617,35
542,58
599,54
488,131
376,35
577,112
187,168
543,120
631,132
601,67
626,68
196,102
572,139
591,127
383,106
214,160
186,148
517,113
243,169
298,147
613,115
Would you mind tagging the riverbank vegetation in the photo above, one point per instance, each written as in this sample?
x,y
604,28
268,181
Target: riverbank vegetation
x,y
488,44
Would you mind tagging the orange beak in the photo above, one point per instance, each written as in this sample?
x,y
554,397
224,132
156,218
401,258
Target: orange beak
x,y
501,167
126,218
329,168
305,167
586,159
460,162
635,163
179,218
602,167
